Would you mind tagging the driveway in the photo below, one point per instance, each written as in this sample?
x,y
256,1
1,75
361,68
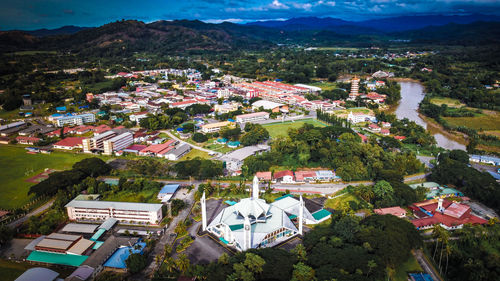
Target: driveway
x,y
35,212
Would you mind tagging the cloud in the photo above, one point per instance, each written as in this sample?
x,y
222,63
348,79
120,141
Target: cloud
x,y
278,5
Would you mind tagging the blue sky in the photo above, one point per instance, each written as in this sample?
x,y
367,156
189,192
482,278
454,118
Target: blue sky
x,y
34,14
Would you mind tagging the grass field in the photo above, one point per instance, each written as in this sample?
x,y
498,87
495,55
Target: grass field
x,y
448,101
19,166
410,266
325,86
144,196
195,153
11,270
489,120
342,201
281,129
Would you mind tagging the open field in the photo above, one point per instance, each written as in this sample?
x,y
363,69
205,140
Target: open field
x,y
341,201
195,153
10,270
324,85
448,101
281,129
489,120
410,266
144,196
19,166
337,49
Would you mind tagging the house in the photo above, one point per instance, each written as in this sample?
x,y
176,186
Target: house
x,y
385,132
395,211
27,140
400,138
305,176
374,128
136,117
284,176
364,139
69,143
264,176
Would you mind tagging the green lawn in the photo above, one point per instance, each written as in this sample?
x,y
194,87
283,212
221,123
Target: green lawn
x,y
341,202
324,85
489,120
144,196
410,266
19,166
281,129
10,270
448,101
195,153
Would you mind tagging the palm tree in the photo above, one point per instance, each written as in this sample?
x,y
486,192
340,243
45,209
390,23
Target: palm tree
x,y
169,264
448,252
182,262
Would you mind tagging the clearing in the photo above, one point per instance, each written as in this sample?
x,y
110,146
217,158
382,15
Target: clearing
x,y
489,120
448,101
281,128
18,166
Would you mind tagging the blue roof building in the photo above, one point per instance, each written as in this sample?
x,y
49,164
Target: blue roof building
x,y
167,192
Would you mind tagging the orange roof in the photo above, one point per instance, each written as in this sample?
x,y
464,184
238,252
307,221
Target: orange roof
x,y
70,142
395,211
264,175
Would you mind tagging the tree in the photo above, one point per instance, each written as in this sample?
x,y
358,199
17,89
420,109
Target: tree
x,y
199,137
302,272
135,263
300,252
182,263
383,189
254,262
224,258
93,167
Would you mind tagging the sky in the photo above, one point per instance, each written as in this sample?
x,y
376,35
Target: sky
x,y
36,14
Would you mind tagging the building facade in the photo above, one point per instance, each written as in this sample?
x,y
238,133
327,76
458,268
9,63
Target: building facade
x,y
75,120
118,143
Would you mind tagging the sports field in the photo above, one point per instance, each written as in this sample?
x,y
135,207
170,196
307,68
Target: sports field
x,y
18,166
281,129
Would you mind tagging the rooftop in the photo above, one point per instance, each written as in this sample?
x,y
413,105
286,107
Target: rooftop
x,y
115,205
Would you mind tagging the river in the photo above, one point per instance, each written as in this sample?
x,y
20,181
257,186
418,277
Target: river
x,y
412,93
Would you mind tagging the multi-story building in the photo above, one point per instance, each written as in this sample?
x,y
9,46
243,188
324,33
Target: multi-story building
x,y
214,127
75,119
143,213
118,143
252,117
97,142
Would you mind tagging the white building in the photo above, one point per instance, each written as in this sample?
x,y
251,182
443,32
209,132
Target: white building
x,y
214,127
143,213
178,152
360,117
252,117
75,120
97,142
118,143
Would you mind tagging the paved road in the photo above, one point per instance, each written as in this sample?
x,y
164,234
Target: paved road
x,y
190,144
416,177
35,212
168,237
426,160
426,266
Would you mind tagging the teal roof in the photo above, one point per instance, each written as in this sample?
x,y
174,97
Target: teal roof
x,y
236,226
97,245
284,196
224,240
230,203
292,216
443,192
321,214
98,234
64,259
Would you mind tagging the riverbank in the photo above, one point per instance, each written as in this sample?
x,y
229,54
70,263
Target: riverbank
x,y
402,79
434,127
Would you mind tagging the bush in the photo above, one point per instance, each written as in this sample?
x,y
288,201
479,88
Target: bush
x,y
199,137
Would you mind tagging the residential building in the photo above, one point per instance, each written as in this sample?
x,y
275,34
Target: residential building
x,y
214,127
126,212
252,117
118,143
284,176
27,140
395,211
75,120
264,176
136,117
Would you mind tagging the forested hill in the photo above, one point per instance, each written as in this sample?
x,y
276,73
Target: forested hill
x,y
123,38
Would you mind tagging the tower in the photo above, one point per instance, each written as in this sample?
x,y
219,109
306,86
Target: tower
x,y
301,214
255,188
247,237
440,205
203,212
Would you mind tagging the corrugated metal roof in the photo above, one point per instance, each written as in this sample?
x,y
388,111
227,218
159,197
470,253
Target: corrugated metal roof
x,y
80,228
115,205
39,274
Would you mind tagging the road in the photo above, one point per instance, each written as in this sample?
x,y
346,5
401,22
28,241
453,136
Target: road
x,y
426,160
190,144
169,236
426,266
35,212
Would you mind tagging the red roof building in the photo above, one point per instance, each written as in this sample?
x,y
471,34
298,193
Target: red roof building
x,y
69,143
27,140
303,176
264,176
400,138
101,129
284,176
364,138
448,214
395,211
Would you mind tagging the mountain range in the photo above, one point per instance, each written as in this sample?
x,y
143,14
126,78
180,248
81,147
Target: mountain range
x,y
127,36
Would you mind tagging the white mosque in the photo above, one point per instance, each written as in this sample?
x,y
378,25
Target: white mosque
x,y
253,223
